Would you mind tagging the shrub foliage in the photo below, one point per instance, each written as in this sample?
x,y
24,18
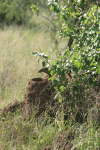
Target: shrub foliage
x,y
18,10
81,24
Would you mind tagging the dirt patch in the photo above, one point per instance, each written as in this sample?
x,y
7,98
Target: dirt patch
x,y
39,93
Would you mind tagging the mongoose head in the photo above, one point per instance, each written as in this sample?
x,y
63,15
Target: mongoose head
x,y
45,70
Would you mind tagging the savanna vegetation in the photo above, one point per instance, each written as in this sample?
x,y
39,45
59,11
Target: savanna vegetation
x,y
64,35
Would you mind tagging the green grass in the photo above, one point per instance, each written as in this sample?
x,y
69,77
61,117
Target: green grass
x,y
87,138
15,132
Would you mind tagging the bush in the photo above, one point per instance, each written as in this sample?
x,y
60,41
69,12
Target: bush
x,y
17,10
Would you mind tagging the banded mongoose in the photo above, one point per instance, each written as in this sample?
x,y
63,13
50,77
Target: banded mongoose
x,y
46,70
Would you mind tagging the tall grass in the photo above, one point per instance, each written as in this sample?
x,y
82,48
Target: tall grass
x,y
17,64
17,67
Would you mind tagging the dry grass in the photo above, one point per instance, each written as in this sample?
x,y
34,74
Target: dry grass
x,y
17,67
17,64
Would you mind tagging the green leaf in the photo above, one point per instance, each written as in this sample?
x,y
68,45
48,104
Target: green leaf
x,y
60,100
52,72
77,63
51,8
62,88
43,63
35,53
56,1
55,81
